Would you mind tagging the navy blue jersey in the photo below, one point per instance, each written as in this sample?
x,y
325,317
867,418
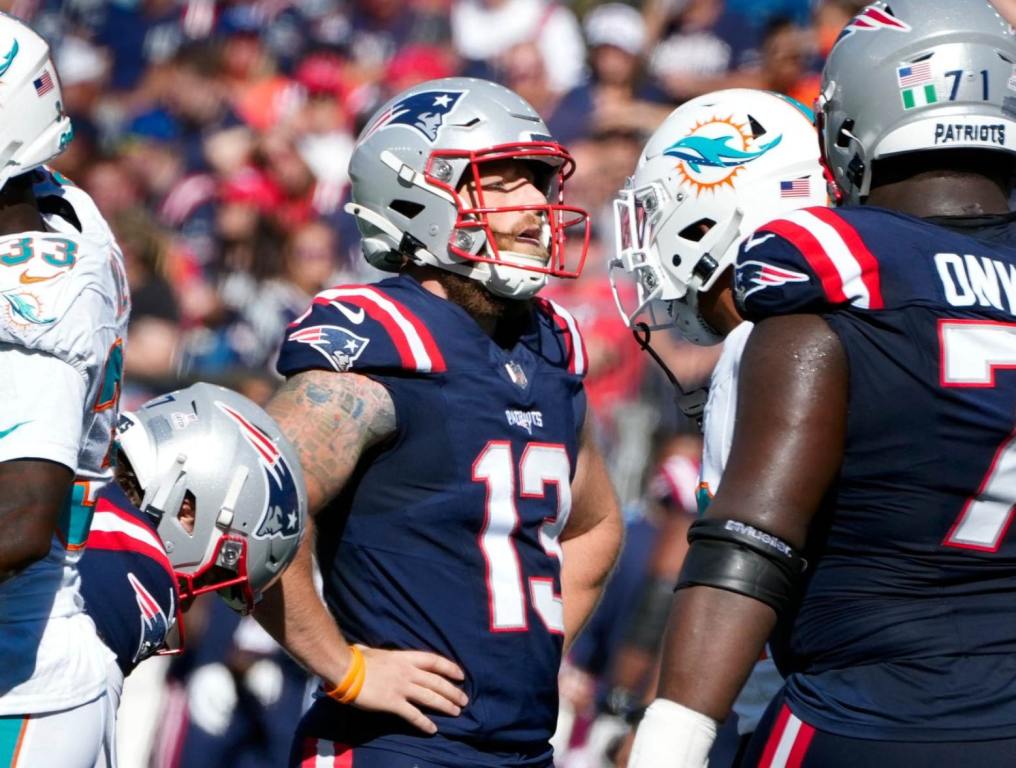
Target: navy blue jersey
x,y
446,538
907,627
126,580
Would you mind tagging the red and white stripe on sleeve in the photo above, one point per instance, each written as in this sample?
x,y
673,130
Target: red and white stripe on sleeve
x,y
414,342
847,270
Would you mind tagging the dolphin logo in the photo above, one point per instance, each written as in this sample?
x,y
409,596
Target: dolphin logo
x,y
698,151
8,59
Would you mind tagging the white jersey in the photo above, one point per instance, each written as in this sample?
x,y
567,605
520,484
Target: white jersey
x,y
64,306
718,428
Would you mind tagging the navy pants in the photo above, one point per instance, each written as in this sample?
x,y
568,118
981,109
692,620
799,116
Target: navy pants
x,y
784,741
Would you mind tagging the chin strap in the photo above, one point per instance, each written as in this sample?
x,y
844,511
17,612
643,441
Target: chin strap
x,y
693,403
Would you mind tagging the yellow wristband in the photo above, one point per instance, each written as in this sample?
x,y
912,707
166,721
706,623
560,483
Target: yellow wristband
x,y
349,687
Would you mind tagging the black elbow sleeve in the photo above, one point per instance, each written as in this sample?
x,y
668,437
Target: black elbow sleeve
x,y
734,556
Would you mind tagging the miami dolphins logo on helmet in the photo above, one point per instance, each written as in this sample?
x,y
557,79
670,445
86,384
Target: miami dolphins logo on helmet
x,y
715,151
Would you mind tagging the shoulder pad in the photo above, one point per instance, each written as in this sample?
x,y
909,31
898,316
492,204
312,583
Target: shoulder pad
x,y
565,331
359,328
65,296
811,260
68,209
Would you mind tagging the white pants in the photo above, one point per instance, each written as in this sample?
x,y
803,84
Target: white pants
x,y
82,737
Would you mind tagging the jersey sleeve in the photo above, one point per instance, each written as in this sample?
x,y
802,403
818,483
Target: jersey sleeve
x,y
41,402
359,329
812,260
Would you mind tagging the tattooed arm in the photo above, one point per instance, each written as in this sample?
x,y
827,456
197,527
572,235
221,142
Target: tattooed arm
x,y
332,419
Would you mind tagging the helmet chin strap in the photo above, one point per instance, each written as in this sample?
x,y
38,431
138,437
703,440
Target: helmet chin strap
x,y
692,403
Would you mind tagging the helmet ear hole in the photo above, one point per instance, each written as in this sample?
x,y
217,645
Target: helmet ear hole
x,y
188,512
696,231
406,208
756,127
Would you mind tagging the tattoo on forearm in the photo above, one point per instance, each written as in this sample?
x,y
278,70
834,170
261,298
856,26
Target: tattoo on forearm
x,y
331,419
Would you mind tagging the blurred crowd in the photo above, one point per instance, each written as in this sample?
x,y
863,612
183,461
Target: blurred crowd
x,y
215,136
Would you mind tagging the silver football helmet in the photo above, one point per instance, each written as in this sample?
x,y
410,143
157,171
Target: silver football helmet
x,y
717,168
33,126
915,75
210,450
408,167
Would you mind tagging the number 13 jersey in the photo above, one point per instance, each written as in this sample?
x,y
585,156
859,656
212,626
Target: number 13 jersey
x,y
907,627
446,537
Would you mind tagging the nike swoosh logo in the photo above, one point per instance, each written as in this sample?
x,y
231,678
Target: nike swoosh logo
x,y
756,241
5,432
354,317
28,279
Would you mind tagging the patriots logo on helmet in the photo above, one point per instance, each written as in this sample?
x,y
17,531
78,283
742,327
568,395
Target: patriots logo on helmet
x,y
280,519
154,622
754,276
424,111
339,346
872,19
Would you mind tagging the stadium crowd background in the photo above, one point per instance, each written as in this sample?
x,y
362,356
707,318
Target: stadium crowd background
x,y
215,137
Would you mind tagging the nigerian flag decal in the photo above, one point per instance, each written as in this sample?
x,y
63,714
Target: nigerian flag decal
x,y
917,86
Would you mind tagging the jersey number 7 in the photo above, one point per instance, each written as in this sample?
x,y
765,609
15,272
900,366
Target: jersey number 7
x,y
971,352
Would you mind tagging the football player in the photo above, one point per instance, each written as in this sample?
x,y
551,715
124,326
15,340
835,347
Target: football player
x,y
208,497
64,308
717,168
465,522
868,493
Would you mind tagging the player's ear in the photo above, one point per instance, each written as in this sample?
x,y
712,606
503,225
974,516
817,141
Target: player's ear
x,y
188,512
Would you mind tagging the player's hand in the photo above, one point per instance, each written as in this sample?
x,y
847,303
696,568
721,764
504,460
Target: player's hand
x,y
403,682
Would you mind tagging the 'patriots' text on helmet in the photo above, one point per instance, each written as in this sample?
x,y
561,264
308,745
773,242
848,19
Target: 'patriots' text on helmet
x,y
223,457
407,172
33,126
717,168
916,75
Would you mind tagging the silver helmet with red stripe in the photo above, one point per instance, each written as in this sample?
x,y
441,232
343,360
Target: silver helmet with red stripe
x,y
914,76
224,484
420,189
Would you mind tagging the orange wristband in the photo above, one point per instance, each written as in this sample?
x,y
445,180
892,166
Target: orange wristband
x,y
349,687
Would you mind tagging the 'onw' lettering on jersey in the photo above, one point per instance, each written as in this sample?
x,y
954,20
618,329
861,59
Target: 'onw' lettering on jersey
x,y
968,280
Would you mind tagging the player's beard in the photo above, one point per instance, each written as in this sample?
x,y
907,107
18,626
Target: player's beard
x,y
483,305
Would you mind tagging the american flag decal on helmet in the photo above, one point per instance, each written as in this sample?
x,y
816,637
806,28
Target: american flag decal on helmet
x,y
280,518
753,276
872,19
424,111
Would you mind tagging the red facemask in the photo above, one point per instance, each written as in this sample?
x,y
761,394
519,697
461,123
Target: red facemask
x,y
560,217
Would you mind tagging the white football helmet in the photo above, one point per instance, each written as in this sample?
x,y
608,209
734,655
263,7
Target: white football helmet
x,y
218,450
33,126
717,168
413,155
